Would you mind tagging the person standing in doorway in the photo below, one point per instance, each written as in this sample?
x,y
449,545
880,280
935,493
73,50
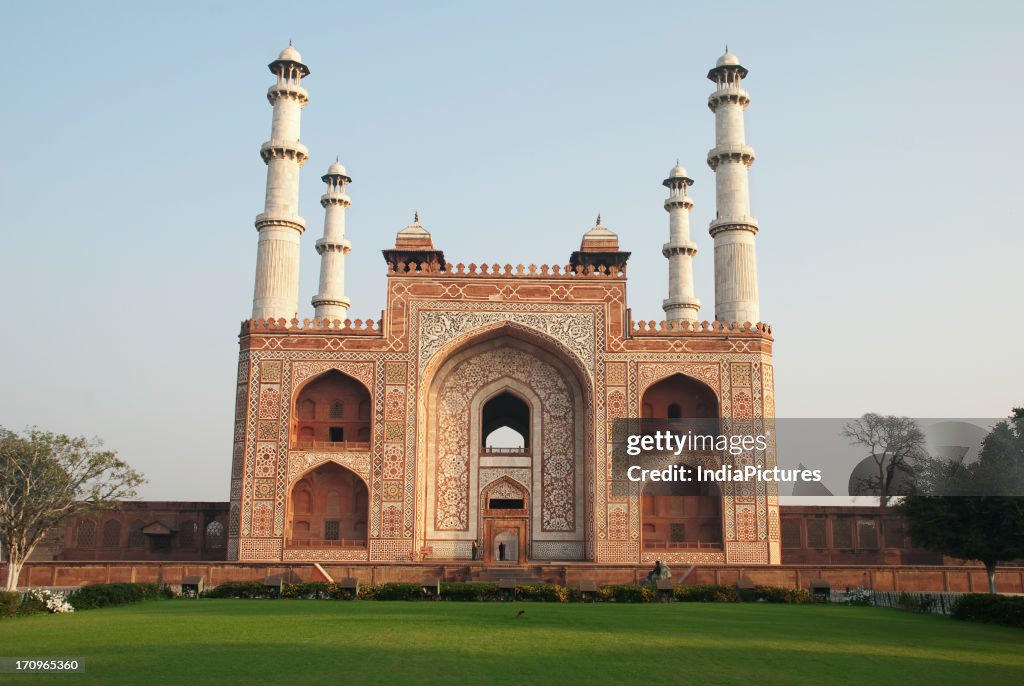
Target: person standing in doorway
x,y
475,550
501,552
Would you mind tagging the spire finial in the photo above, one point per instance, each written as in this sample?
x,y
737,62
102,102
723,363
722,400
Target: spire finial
x,y
290,42
416,217
727,47
599,219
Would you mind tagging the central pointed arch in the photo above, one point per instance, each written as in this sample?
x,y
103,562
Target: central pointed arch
x,y
457,535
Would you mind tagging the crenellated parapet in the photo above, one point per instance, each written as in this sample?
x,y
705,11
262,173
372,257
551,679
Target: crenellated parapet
x,y
346,326
531,271
715,328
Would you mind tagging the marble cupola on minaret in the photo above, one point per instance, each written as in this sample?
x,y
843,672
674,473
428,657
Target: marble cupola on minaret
x,y
280,227
736,298
681,304
330,301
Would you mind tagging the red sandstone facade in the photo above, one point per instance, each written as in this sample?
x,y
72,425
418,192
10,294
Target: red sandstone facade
x,y
395,414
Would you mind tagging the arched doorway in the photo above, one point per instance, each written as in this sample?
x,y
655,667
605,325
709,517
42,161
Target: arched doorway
x,y
328,508
500,383
331,413
505,521
679,515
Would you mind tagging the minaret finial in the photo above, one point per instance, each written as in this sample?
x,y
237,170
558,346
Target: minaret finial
x,y
727,47
416,217
599,219
290,43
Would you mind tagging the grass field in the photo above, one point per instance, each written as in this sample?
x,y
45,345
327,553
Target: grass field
x,y
329,642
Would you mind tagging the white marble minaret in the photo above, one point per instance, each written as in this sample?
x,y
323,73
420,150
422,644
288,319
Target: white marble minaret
x,y
280,227
330,301
681,304
733,228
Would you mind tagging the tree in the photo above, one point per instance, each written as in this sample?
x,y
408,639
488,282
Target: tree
x,y
976,511
46,477
893,444
985,528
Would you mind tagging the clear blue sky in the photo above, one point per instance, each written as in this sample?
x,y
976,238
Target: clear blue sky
x,y
887,186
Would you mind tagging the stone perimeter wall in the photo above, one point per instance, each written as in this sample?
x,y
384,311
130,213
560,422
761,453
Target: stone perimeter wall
x,y
962,579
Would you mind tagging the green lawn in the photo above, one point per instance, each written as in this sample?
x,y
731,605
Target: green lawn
x,y
376,642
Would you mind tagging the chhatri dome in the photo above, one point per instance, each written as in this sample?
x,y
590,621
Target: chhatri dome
x,y
337,168
290,53
678,172
727,60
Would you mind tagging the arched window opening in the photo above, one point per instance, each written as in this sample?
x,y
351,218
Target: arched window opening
x,y
329,507
506,424
86,537
321,420
680,397
681,515
112,533
214,535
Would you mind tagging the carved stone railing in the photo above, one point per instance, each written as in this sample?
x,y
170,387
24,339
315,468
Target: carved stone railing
x,y
653,328
531,271
358,327
333,446
682,545
325,543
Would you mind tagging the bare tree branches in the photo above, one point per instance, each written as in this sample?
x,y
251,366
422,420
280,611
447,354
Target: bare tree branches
x,y
894,444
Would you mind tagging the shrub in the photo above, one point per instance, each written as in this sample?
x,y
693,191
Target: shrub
x,y
478,591
987,607
774,594
706,593
543,592
859,596
396,591
102,595
241,589
10,601
627,594
315,590
918,602
48,601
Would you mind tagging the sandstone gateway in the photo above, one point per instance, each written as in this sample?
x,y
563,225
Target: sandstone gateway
x,y
367,440
368,445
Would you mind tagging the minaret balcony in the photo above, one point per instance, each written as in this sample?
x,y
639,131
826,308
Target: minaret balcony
x,y
290,150
287,90
730,94
681,248
733,224
744,154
